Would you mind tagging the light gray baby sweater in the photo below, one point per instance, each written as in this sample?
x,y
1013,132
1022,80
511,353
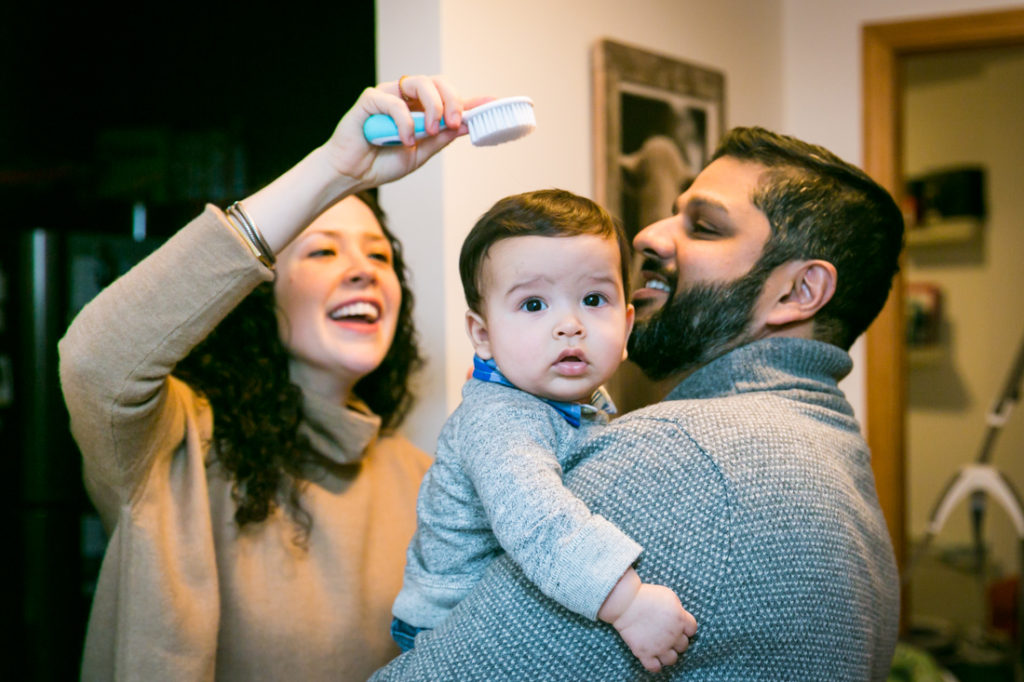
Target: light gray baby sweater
x,y
496,486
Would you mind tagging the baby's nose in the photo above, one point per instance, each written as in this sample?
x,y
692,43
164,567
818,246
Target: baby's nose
x,y
569,326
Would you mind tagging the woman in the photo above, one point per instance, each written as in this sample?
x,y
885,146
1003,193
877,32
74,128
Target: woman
x,y
258,513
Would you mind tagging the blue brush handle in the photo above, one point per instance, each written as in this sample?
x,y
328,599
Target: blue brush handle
x,y
380,129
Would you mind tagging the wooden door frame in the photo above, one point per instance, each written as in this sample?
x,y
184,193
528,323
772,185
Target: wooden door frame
x,y
883,46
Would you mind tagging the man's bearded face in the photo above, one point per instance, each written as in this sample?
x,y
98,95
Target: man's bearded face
x,y
696,325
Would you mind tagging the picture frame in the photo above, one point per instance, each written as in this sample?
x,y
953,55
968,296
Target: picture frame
x,y
656,121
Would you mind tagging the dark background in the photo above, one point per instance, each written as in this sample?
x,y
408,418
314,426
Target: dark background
x,y
103,112
80,86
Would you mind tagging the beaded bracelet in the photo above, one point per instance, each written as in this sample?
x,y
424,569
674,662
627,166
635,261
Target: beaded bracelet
x,y
241,221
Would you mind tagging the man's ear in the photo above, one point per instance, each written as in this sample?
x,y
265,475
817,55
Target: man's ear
x,y
476,327
803,288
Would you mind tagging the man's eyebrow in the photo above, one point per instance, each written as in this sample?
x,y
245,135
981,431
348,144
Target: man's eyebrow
x,y
707,204
698,203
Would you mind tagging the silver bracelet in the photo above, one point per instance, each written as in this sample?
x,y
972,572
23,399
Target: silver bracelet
x,y
241,221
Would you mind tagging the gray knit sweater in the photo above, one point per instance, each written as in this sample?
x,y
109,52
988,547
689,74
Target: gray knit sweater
x,y
496,486
751,490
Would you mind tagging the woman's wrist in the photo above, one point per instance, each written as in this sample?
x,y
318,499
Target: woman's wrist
x,y
339,181
292,201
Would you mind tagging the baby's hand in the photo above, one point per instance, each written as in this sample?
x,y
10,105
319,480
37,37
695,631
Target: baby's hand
x,y
656,626
650,620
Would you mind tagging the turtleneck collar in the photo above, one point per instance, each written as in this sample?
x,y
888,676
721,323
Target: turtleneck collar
x,y
342,433
768,364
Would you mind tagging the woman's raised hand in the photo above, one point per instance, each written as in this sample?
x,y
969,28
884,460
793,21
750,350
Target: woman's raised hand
x,y
369,165
347,163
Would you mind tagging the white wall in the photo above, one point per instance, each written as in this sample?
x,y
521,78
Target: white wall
x,y
541,49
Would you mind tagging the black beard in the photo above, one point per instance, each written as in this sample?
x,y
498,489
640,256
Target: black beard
x,y
696,325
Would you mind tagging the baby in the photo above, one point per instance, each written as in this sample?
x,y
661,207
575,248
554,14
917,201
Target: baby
x,y
544,275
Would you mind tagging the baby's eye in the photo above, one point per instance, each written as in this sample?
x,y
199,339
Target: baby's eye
x,y
533,305
594,300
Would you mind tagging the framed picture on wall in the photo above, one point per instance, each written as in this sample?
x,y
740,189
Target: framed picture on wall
x,y
656,121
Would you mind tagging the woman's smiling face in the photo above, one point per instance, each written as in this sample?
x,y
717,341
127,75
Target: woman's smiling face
x,y
338,299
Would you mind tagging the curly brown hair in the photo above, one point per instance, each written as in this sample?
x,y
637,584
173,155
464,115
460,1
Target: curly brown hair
x,y
242,370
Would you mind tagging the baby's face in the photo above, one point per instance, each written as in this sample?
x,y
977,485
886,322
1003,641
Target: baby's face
x,y
555,315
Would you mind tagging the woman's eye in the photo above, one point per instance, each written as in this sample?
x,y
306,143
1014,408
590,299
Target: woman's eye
x,y
382,257
533,305
320,253
594,300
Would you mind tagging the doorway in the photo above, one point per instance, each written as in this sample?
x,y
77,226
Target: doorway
x,y
888,51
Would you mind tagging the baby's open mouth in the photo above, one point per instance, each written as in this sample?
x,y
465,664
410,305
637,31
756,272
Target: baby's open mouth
x,y
571,355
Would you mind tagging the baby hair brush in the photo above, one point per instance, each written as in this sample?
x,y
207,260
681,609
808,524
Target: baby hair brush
x,y
502,120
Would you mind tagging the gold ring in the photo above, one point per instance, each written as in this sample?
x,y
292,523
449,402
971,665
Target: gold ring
x,y
404,96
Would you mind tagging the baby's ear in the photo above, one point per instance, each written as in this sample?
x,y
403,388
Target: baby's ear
x,y
476,327
630,318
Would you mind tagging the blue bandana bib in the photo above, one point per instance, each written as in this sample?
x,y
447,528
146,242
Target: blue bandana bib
x,y
600,401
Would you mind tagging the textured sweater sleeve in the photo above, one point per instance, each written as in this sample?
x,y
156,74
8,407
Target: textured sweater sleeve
x,y
116,356
508,447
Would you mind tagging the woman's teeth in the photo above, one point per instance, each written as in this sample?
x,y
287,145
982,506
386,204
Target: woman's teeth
x,y
367,311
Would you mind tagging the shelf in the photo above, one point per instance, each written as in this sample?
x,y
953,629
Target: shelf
x,y
947,231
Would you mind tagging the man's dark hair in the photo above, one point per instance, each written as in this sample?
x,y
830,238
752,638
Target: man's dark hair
x,y
820,206
542,213
242,369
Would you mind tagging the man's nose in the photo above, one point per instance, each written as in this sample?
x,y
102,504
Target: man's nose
x,y
658,239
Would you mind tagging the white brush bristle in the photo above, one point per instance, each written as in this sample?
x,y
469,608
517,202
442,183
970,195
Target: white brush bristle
x,y
502,120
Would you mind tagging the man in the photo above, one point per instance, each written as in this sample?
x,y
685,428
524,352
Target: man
x,y
749,487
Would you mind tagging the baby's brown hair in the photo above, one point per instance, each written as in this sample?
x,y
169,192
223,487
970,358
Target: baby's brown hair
x,y
542,213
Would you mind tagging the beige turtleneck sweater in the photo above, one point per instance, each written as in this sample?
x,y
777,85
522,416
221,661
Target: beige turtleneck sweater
x,y
183,594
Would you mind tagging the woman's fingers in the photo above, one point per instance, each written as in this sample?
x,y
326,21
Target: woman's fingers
x,y
452,109
351,155
432,95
